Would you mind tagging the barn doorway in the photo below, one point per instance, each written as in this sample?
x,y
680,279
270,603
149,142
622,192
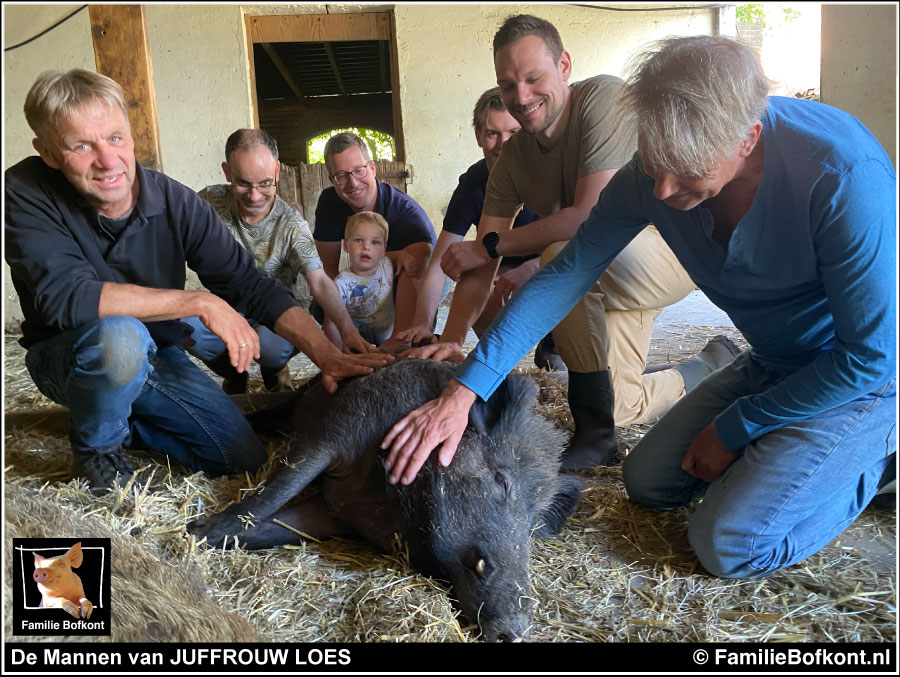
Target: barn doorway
x,y
314,73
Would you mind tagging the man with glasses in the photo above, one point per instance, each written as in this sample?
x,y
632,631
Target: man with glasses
x,y
97,247
282,246
355,188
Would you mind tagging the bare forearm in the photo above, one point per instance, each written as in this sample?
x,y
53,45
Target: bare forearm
x,y
298,327
537,236
429,295
404,302
329,298
330,254
152,305
332,332
540,234
469,298
433,282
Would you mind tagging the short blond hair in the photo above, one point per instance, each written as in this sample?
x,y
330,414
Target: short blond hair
x,y
56,95
370,217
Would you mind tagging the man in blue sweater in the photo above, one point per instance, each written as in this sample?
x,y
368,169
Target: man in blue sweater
x,y
783,212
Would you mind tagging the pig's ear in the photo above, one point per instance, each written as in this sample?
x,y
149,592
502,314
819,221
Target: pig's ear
x,y
38,559
75,555
513,398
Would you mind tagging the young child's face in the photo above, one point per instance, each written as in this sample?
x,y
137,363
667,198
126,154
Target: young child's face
x,y
366,247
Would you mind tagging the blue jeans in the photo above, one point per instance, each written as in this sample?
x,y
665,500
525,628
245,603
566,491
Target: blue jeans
x,y
790,492
274,351
121,390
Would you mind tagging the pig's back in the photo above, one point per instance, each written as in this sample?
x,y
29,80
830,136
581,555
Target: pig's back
x,y
349,427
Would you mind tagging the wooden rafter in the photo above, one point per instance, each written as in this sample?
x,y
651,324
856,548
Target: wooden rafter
x,y
282,68
334,67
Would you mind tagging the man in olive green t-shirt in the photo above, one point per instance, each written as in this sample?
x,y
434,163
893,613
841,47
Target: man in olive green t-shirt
x,y
570,144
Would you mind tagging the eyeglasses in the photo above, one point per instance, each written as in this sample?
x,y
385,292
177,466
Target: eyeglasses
x,y
266,187
340,178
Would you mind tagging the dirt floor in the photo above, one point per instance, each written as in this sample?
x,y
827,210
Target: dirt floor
x,y
618,572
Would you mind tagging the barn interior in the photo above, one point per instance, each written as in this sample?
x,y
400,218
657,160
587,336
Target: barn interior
x,y
618,572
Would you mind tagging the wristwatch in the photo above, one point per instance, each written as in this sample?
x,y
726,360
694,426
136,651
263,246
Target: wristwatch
x,y
490,242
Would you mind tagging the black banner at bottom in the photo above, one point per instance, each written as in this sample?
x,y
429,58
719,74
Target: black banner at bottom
x,y
25,657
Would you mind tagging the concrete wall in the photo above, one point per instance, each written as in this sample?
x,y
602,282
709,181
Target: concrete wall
x,y
201,76
859,66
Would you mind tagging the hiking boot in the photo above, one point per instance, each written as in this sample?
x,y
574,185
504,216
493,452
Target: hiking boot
x,y
104,469
591,402
546,356
277,380
720,351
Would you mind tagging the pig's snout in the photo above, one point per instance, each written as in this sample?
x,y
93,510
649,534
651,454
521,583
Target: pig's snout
x,y
40,576
516,629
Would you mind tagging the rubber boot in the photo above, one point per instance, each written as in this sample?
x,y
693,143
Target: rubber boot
x,y
716,354
234,383
595,442
277,380
546,356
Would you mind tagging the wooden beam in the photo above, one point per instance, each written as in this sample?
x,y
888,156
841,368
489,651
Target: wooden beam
x,y
334,69
320,27
122,52
251,64
282,68
399,143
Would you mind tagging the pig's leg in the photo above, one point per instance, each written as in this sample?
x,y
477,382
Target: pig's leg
x,y
71,608
281,487
311,517
86,607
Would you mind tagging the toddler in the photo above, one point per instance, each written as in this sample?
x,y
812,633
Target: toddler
x,y
367,287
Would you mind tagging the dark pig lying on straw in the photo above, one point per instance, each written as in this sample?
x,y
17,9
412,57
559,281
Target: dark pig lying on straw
x,y
468,523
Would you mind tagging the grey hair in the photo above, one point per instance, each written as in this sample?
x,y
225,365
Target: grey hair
x,y
343,141
490,100
57,95
519,26
245,139
693,100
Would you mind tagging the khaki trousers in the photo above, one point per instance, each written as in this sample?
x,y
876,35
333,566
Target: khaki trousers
x,y
610,327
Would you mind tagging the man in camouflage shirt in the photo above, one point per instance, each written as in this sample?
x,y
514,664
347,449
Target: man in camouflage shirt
x,y
281,243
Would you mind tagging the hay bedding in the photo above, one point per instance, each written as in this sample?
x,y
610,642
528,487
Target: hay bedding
x,y
619,572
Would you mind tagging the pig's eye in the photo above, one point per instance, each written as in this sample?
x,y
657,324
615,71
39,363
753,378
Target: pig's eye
x,y
480,568
500,479
476,562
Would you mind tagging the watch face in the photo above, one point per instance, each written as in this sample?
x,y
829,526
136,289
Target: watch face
x,y
490,241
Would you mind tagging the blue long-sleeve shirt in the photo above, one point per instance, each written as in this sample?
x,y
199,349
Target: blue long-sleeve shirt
x,y
808,277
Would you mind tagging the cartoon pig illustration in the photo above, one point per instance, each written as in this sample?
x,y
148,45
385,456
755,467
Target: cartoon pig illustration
x,y
59,585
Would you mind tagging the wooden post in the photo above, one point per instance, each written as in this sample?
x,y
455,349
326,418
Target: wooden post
x,y
121,52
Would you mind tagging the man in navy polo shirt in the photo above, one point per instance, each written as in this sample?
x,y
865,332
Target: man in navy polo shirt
x,y
355,188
